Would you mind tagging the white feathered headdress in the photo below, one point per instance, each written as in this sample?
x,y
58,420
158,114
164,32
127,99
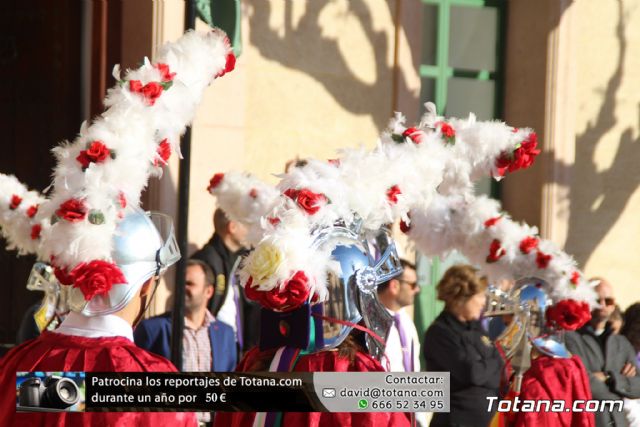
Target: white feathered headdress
x,y
108,165
408,168
244,198
18,221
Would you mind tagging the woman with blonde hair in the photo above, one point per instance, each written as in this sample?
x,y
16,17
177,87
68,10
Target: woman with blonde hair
x,y
456,343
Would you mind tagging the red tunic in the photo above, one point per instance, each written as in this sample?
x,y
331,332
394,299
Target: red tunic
x,y
324,361
555,379
53,352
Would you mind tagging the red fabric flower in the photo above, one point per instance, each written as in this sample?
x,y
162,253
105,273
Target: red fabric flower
x,y
63,276
542,260
73,210
568,314
334,162
96,278
15,202
253,193
447,131
521,157
273,221
32,211
575,278
96,153
229,65
404,227
496,251
166,74
392,194
35,231
492,221
151,91
164,152
528,244
415,135
295,292
309,201
122,200
215,181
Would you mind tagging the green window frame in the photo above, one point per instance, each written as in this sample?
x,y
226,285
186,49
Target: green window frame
x,y
440,71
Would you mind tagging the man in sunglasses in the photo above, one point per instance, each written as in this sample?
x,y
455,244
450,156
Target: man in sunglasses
x,y
403,348
609,358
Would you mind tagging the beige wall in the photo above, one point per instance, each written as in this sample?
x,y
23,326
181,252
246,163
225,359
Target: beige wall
x,y
572,74
605,194
313,77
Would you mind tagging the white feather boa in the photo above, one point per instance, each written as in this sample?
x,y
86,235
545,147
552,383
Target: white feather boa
x,y
139,117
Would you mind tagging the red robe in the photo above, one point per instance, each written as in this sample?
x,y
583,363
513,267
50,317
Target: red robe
x,y
53,352
324,361
556,379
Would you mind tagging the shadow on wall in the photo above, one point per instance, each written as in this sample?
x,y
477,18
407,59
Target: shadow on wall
x,y
306,49
603,194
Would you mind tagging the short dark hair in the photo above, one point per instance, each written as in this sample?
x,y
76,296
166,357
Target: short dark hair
x,y
405,264
459,283
208,272
220,221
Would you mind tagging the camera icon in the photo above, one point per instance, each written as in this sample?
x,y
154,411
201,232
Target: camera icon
x,y
329,392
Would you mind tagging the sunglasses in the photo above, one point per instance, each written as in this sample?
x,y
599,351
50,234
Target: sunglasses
x,y
413,285
607,301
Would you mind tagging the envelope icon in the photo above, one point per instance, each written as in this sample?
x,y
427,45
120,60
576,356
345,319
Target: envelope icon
x,y
328,392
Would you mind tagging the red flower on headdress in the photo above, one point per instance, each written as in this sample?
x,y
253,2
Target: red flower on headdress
x,y
229,65
215,181
97,152
492,221
528,244
542,260
334,162
308,201
35,231
166,74
253,193
15,202
73,210
575,278
63,275
568,314
496,251
273,221
447,131
521,157
392,194
163,151
404,227
122,200
415,135
96,278
294,293
151,91
32,211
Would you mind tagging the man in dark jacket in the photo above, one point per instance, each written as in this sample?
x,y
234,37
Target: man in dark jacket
x,y
208,344
229,303
608,358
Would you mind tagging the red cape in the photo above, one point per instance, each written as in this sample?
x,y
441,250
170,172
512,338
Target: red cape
x,y
53,352
324,361
556,379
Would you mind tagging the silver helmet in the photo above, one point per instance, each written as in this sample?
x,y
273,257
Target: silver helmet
x,y
528,302
352,288
144,246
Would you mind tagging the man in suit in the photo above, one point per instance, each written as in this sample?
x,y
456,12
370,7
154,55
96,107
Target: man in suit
x,y
208,344
608,358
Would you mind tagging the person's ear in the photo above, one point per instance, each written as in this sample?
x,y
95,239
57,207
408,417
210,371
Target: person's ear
x,y
232,227
208,291
394,286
